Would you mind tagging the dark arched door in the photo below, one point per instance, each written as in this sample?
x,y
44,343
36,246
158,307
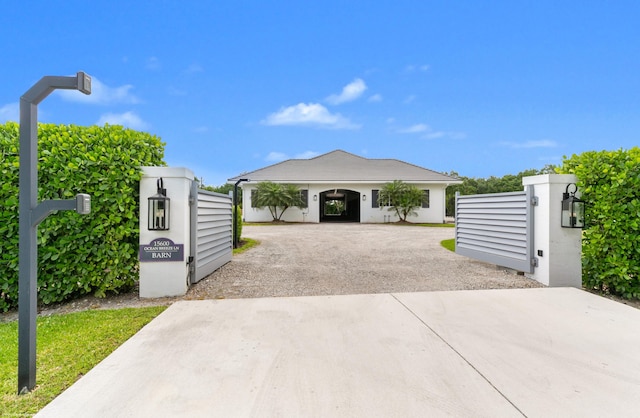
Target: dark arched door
x,y
339,205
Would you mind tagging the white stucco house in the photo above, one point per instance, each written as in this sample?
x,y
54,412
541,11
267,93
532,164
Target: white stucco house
x,y
343,187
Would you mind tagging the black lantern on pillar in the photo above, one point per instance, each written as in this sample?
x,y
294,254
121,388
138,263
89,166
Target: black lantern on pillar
x,y
159,209
572,209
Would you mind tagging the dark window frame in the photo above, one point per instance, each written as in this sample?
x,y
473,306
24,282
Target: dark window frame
x,y
426,195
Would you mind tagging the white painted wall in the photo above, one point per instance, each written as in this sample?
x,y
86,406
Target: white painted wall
x,y
434,214
167,278
560,263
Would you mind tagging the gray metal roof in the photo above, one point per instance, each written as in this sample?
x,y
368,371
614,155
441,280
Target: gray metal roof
x,y
341,166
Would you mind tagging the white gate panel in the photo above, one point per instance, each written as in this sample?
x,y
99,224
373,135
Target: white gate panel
x,y
497,228
211,236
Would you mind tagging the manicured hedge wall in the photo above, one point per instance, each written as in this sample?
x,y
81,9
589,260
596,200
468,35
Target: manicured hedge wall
x,y
237,212
610,184
77,254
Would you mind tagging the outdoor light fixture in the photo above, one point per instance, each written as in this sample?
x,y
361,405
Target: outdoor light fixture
x,y
315,197
572,209
159,209
364,197
31,213
335,195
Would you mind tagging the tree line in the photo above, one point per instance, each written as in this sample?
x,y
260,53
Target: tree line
x,y
493,184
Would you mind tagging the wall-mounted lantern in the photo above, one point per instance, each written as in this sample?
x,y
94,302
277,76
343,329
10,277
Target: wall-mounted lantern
x,y
572,209
364,197
159,209
315,197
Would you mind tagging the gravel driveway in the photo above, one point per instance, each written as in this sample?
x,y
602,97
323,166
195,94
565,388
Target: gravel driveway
x,y
327,259
346,258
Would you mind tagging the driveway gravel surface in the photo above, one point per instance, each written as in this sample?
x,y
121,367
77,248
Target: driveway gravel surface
x,y
350,258
329,259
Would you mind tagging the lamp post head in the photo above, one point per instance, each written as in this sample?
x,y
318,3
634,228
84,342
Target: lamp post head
x,y
84,82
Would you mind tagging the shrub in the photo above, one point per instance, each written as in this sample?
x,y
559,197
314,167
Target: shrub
x,y
237,212
401,198
95,253
277,195
610,184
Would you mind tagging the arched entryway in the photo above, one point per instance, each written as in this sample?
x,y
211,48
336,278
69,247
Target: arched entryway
x,y
339,205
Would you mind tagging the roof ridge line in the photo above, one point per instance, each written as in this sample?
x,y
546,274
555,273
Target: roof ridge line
x,y
333,152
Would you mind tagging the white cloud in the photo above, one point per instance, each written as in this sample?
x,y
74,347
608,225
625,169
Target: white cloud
x,y
312,114
276,156
349,93
543,143
375,98
174,91
420,127
153,64
428,133
435,135
306,155
10,112
101,94
127,119
413,68
193,69
445,134
409,99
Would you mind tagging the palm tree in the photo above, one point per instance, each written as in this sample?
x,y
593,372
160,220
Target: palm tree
x,y
292,197
400,197
275,195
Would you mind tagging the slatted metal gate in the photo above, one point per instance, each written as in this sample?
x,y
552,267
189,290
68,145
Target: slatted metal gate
x,y
211,232
497,228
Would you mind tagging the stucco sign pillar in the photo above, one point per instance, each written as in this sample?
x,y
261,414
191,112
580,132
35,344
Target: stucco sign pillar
x,y
165,264
558,250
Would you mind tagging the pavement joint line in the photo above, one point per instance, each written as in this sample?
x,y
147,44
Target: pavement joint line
x,y
458,353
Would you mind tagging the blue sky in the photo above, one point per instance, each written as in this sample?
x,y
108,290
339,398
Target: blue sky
x,y
482,88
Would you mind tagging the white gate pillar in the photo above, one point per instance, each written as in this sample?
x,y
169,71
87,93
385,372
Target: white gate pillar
x,y
164,254
557,249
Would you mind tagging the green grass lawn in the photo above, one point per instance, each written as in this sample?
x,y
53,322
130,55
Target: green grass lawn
x,y
449,244
245,244
436,225
68,347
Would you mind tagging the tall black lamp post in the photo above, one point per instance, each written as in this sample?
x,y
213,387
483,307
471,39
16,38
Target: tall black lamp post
x,y
31,213
235,215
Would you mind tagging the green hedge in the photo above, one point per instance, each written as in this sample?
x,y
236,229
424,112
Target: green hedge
x,y
610,184
237,212
77,254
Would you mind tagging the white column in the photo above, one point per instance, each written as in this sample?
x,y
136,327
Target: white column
x,y
557,249
159,276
